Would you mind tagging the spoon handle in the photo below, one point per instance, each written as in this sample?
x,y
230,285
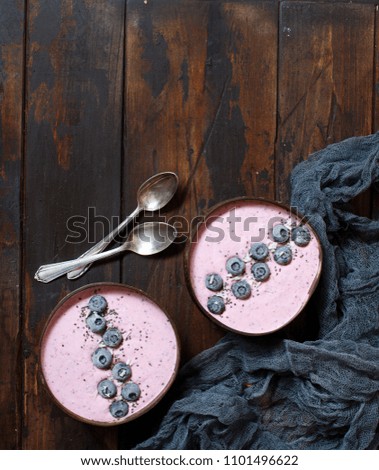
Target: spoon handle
x,y
49,272
101,245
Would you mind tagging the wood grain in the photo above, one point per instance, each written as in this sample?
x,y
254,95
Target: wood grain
x,y
325,81
75,55
11,97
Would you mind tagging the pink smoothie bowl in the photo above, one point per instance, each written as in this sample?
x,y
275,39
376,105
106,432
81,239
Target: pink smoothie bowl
x,y
229,231
149,347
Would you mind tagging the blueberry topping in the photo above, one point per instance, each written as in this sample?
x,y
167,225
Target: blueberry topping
x,y
102,358
214,282
112,337
283,255
301,236
97,303
96,323
260,271
258,251
241,289
121,371
131,391
280,233
216,304
235,266
119,409
107,389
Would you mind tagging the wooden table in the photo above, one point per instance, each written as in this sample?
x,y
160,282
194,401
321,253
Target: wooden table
x,y
97,96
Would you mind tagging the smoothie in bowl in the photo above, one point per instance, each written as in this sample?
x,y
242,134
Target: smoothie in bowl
x,y
252,265
108,354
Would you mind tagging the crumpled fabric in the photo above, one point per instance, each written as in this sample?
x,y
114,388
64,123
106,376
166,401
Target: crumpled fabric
x,y
274,393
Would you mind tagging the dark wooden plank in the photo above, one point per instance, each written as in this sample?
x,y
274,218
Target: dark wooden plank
x,y
325,82
325,94
200,101
75,54
11,98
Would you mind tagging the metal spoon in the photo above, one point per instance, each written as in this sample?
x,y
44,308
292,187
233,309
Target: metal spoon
x,y
152,195
145,239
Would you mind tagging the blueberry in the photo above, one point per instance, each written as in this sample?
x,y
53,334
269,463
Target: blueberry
x,y
216,304
96,323
301,236
260,271
258,251
241,289
131,391
107,389
235,266
119,409
280,233
214,282
283,255
102,358
121,371
97,303
112,337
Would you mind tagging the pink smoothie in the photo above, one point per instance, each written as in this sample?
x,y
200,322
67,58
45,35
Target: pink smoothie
x,y
149,346
273,303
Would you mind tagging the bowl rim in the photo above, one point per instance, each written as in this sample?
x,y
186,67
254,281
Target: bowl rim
x,y
187,253
137,414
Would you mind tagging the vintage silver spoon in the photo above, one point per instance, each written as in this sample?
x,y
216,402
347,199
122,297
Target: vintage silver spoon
x,y
145,239
152,195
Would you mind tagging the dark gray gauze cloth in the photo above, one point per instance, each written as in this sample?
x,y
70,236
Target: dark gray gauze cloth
x,y
320,394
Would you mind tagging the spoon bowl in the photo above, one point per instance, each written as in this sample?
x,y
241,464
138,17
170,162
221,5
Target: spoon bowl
x,y
157,191
151,238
